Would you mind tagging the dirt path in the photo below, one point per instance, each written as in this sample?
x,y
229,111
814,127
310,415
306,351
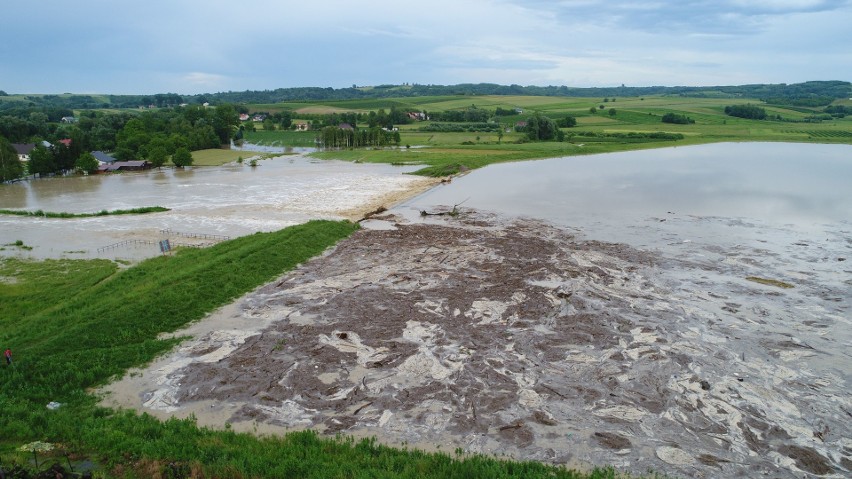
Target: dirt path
x,y
514,337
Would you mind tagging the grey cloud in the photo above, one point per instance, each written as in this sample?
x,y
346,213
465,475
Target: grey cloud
x,y
734,17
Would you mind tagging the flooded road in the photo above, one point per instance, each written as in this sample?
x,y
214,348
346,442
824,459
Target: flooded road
x,y
618,309
208,202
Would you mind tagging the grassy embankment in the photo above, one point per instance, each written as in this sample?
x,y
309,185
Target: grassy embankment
x,y
597,132
74,324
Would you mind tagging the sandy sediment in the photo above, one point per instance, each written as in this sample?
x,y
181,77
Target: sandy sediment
x,y
514,337
389,199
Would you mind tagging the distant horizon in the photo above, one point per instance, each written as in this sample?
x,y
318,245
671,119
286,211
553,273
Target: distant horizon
x,y
599,87
195,47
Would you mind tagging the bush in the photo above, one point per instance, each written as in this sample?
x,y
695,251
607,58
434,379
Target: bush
x,y
677,119
749,112
461,127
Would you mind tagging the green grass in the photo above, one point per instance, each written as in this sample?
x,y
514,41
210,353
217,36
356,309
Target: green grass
x,y
216,157
49,214
74,324
447,160
281,138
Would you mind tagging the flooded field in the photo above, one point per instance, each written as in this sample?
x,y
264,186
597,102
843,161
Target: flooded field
x,y
683,310
207,203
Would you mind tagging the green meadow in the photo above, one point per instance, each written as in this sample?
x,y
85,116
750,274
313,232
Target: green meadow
x,y
216,157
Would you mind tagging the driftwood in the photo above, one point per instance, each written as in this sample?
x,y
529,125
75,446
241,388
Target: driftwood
x,y
454,212
512,426
360,408
377,211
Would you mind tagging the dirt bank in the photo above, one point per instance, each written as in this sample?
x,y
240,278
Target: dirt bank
x,y
514,337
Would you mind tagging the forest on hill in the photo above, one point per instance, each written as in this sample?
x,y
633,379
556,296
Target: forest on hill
x,y
811,93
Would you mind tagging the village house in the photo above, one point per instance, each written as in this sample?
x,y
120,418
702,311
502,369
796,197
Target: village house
x,y
23,150
345,126
244,117
301,125
103,158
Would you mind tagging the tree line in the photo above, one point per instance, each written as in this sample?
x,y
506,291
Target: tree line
x,y
775,93
811,93
336,137
154,135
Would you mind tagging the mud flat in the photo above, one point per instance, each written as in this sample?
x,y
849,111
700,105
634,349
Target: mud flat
x,y
516,337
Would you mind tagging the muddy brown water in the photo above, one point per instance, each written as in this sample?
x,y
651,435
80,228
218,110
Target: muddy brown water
x,y
206,203
627,335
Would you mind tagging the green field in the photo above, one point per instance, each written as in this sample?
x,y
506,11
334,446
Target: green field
x,y
598,132
281,138
74,324
216,157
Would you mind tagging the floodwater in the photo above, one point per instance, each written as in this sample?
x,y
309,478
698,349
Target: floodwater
x,y
610,195
583,310
206,203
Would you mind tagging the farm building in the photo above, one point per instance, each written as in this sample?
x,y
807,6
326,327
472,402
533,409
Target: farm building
x,y
123,166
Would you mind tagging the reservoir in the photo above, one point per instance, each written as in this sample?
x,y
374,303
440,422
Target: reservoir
x,y
610,196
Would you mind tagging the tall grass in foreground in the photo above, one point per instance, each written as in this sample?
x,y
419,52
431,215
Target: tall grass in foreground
x,y
74,324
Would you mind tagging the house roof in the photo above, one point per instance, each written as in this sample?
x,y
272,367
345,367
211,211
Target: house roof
x,y
23,148
103,157
65,141
115,166
345,126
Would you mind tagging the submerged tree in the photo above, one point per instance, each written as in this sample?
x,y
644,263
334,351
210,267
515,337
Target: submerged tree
x,y
41,161
182,157
86,163
11,166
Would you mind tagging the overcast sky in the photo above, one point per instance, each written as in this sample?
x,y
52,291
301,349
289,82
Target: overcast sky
x,y
198,46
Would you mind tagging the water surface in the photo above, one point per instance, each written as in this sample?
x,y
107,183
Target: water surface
x,y
784,183
230,200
